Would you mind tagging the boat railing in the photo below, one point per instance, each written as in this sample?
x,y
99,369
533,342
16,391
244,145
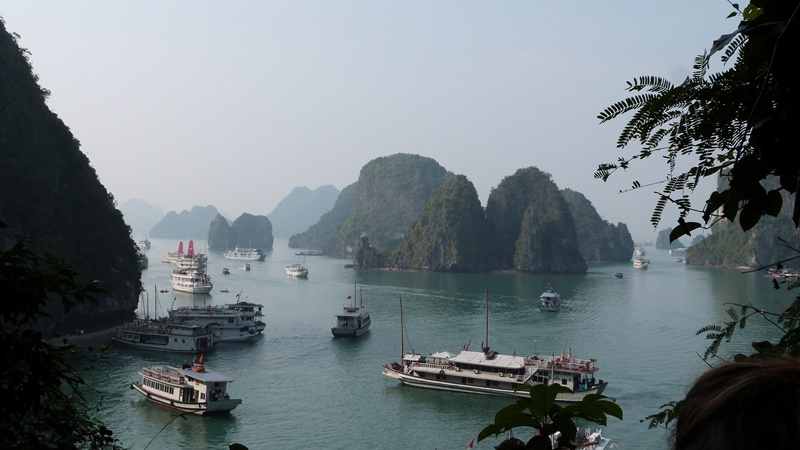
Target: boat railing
x,y
436,366
573,364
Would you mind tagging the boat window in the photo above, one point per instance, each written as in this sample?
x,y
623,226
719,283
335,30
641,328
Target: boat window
x,y
463,380
564,381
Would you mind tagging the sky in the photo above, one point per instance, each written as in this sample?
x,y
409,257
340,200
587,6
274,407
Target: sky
x,y
234,104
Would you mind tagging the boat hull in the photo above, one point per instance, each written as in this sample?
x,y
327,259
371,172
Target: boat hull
x,y
426,383
200,409
348,332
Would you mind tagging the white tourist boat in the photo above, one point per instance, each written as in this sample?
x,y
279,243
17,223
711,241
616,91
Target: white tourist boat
x,y
550,300
188,261
352,320
641,263
193,280
639,251
246,254
251,312
228,324
296,270
165,336
490,373
190,389
681,251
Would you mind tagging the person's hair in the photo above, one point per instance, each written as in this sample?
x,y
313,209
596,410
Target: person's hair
x,y
745,405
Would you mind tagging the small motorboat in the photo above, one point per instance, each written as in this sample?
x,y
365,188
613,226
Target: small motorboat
x,y
618,275
247,266
224,290
163,291
226,271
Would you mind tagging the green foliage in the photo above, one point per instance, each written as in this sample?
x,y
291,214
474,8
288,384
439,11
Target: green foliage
x,y
541,412
598,240
451,234
42,404
392,192
739,122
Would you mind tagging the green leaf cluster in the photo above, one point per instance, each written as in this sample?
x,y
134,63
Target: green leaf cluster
x,y
542,412
42,403
739,122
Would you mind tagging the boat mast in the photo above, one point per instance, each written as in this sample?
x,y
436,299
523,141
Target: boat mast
x,y
487,317
402,344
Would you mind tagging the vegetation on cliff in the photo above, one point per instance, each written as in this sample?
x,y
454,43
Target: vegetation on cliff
x,y
391,193
42,406
320,235
247,231
452,233
598,240
533,228
52,194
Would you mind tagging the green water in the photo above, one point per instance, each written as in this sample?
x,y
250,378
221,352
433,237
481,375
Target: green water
x,y
304,389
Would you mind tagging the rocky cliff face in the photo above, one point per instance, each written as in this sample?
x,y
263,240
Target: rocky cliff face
x,y
391,194
51,194
451,235
533,228
247,231
598,240
321,234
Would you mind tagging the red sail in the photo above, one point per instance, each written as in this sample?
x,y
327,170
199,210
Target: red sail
x,y
180,248
191,248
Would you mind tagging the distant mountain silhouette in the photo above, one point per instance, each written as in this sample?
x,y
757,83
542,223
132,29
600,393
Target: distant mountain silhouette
x,y
141,216
301,209
192,224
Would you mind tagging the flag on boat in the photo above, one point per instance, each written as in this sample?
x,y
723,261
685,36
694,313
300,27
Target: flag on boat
x,y
237,295
471,443
349,297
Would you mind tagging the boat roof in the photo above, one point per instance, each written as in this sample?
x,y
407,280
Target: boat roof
x,y
498,360
207,376
352,312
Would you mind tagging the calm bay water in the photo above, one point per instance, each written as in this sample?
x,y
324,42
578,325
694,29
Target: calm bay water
x,y
304,389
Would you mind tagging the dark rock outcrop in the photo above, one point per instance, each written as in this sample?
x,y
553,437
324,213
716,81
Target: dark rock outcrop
x,y
451,235
247,231
533,228
598,240
52,195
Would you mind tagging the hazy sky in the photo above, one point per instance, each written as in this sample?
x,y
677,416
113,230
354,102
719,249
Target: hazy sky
x,y
235,103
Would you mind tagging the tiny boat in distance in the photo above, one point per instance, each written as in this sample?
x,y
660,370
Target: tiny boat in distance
x,y
550,300
296,270
190,389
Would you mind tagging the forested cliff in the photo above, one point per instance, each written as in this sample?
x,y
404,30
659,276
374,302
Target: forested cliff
x,y
407,212
729,246
598,240
50,193
248,231
533,227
